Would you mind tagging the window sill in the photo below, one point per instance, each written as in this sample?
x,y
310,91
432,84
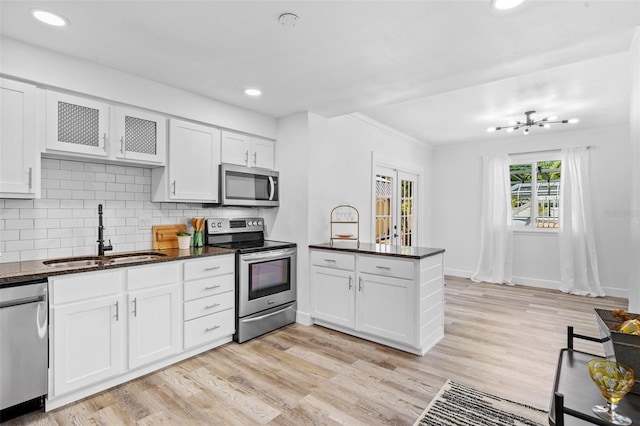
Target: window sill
x,y
536,231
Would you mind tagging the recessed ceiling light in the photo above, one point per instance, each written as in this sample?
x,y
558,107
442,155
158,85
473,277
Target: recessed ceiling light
x,y
49,18
253,92
505,4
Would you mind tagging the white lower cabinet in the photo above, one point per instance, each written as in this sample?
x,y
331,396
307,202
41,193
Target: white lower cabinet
x,y
393,301
108,327
209,294
87,330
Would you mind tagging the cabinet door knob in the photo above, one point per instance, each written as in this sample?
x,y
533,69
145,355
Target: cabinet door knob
x,y
173,185
30,177
246,157
360,284
135,306
117,310
255,158
121,144
350,279
104,142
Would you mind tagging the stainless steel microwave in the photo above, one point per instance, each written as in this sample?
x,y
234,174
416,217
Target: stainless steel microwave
x,y
248,186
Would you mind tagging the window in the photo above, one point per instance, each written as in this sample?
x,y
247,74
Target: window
x,y
535,193
395,207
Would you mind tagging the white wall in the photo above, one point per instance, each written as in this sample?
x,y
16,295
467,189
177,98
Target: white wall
x,y
326,162
457,205
634,205
49,69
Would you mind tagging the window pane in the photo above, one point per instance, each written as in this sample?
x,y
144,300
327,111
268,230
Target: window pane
x,y
521,194
384,192
548,194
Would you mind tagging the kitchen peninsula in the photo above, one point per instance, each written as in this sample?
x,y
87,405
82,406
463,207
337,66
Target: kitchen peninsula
x,y
387,294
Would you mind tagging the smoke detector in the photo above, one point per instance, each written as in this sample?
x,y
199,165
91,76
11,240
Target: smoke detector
x,y
288,20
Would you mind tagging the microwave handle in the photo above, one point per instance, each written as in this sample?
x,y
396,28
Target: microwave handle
x,y
272,188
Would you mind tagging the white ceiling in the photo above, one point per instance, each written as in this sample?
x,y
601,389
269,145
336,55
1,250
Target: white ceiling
x,y
440,71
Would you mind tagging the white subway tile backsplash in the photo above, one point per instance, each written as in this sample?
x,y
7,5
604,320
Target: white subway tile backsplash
x,y
64,221
19,223
71,165
10,213
18,204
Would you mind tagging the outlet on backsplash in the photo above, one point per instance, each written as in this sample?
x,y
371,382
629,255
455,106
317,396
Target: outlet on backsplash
x,y
144,223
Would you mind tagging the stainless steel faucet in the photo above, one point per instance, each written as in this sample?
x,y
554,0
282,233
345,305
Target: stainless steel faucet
x,y
101,247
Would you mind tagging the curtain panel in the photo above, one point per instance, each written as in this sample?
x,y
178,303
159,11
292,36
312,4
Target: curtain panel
x,y
496,233
578,257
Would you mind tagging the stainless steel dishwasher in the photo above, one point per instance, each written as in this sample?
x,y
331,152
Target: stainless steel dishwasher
x,y
23,342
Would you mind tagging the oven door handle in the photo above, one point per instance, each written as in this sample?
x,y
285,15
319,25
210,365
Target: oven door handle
x,y
261,317
264,255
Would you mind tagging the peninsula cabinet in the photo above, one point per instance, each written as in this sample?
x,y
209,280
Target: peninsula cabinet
x,y
191,174
393,300
19,154
245,150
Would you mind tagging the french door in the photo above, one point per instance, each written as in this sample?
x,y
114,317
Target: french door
x,y
395,212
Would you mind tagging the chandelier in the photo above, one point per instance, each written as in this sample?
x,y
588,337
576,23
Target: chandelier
x,y
530,122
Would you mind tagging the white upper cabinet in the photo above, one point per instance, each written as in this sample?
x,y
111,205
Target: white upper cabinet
x,y
77,125
247,151
139,135
84,127
192,171
19,156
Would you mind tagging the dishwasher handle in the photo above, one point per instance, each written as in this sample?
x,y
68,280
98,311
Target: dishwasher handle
x,y
23,301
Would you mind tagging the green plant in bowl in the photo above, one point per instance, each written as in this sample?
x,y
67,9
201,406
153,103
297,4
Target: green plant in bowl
x,y
183,234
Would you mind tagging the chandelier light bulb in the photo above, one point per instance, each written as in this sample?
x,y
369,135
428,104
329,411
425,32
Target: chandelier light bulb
x,y
526,132
552,118
547,126
491,129
510,129
573,121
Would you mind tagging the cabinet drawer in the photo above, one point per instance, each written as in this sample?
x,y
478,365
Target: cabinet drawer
x,y
389,267
209,267
72,288
208,286
209,328
158,274
208,305
332,259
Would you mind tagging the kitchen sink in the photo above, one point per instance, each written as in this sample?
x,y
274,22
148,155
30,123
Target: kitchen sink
x,y
88,261
129,258
73,263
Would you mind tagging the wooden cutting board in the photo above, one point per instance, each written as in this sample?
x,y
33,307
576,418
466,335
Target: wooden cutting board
x,y
165,236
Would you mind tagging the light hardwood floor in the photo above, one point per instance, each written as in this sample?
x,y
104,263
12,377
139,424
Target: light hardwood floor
x,y
504,340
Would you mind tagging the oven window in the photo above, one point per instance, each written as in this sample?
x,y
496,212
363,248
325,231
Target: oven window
x,y
270,277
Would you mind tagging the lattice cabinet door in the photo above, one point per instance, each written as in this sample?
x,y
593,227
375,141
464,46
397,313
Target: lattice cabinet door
x,y
138,135
77,125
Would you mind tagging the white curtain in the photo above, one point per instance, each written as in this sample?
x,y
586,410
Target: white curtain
x,y
496,234
578,258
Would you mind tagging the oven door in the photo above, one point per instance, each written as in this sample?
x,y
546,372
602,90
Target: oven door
x,y
267,279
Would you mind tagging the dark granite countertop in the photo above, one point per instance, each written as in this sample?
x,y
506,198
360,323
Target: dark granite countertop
x,y
383,250
13,273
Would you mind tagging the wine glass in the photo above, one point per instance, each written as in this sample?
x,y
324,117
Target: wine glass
x,y
614,380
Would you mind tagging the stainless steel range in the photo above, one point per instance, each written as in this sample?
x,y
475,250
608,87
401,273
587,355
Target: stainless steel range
x,y
265,275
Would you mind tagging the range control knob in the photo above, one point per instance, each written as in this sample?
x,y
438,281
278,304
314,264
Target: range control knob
x,y
219,224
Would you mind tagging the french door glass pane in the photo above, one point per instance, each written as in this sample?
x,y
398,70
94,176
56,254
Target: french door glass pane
x,y
384,203
548,194
406,212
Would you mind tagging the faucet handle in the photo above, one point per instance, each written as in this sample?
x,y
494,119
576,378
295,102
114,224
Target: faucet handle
x,y
108,247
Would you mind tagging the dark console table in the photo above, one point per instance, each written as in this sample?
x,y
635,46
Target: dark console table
x,y
574,392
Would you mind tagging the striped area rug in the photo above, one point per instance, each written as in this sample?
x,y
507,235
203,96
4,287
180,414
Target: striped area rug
x,y
457,404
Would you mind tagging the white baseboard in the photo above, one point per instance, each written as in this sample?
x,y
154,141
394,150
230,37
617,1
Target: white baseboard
x,y
303,318
540,283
